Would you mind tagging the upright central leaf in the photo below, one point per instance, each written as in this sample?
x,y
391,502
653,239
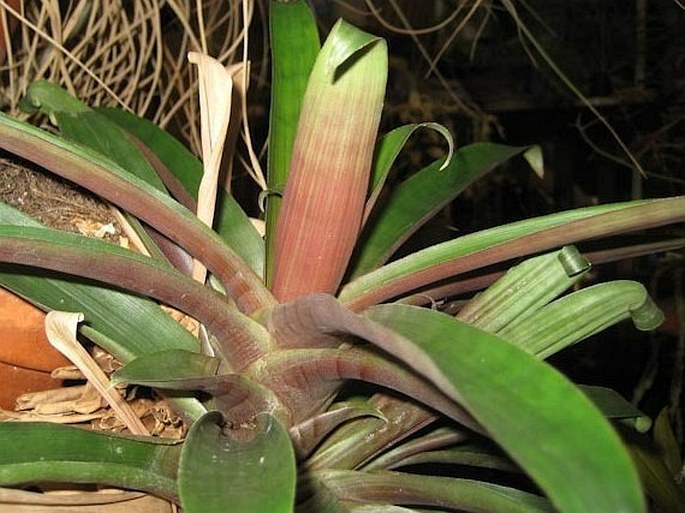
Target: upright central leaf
x,y
323,201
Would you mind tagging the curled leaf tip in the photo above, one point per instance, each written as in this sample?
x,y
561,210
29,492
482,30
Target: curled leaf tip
x,y
572,261
345,41
534,158
442,130
647,316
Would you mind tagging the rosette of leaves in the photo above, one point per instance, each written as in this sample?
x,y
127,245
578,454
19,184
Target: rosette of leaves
x,y
455,412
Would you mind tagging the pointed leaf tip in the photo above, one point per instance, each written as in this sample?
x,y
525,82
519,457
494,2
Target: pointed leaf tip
x,y
535,160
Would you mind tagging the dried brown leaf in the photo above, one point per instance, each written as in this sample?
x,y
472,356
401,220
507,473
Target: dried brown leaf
x,y
103,501
61,330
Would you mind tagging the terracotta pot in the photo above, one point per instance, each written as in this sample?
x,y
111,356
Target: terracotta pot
x,y
15,381
26,356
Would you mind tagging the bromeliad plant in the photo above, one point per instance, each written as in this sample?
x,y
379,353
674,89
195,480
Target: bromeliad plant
x,y
289,321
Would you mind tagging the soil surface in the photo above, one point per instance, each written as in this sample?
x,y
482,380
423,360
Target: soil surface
x,y
53,201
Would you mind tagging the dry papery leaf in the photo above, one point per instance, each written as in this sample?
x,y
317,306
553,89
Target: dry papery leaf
x,y
133,56
83,403
61,329
155,414
83,399
102,501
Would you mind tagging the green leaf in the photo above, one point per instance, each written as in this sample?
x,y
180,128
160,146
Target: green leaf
x,y
360,440
546,424
471,456
163,368
524,289
36,451
398,488
80,123
240,339
94,130
98,174
48,98
294,47
308,434
445,436
169,150
77,122
614,406
231,222
389,147
244,470
418,198
502,243
118,320
535,160
581,314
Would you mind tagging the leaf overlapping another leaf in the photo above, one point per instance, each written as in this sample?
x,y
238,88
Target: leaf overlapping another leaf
x,y
323,201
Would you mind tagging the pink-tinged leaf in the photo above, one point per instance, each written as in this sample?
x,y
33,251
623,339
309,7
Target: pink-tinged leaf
x,y
489,247
309,369
98,174
294,325
437,295
437,439
308,434
465,456
324,197
412,489
296,376
241,340
237,397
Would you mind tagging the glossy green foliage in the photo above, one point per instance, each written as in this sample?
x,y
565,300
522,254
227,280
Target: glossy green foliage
x,y
581,314
413,202
246,469
290,359
539,418
164,369
54,453
114,318
480,249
